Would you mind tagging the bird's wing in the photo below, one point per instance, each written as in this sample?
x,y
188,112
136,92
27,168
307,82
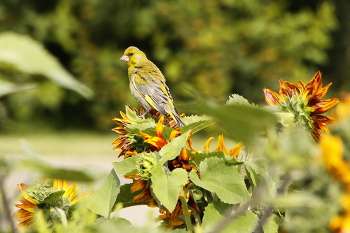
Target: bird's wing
x,y
151,86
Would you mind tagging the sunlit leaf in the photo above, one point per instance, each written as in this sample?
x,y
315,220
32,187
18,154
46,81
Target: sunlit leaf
x,y
271,225
237,99
173,148
214,213
241,122
167,187
30,57
111,225
224,180
102,200
126,165
199,157
196,123
256,172
146,127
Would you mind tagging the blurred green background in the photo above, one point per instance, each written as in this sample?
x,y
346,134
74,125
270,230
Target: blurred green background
x,y
219,47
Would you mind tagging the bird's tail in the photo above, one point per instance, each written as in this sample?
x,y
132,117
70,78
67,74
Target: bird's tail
x,y
177,119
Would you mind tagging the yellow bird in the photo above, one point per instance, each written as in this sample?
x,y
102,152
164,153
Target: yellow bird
x,y
147,84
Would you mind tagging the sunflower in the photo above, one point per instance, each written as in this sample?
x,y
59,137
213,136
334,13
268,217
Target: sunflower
x,y
332,153
36,197
155,143
305,102
131,142
28,208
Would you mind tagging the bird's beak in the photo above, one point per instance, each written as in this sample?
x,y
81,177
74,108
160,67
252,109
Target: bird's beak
x,y
124,58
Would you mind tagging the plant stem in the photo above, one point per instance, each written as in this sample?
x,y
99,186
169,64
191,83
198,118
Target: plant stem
x,y
63,216
186,213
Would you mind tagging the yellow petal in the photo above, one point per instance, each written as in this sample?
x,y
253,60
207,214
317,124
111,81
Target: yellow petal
x,y
221,145
207,144
160,127
235,150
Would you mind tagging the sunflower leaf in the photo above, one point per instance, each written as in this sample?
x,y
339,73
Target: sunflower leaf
x,y
167,187
196,123
271,225
125,196
214,213
126,165
237,99
102,200
256,171
173,148
241,122
224,180
199,157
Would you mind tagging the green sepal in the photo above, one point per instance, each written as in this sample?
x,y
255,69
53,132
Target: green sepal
x,y
54,197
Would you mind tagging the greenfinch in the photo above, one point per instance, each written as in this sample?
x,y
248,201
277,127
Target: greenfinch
x,y
147,84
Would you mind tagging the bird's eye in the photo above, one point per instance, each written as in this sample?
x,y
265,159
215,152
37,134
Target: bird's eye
x,y
130,54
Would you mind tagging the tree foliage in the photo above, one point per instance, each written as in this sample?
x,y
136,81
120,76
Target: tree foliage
x,y
219,47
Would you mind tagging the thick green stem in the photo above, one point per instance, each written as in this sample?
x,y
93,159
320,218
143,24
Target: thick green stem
x,y
63,216
186,212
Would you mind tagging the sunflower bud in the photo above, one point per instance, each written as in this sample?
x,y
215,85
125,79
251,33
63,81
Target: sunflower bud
x,y
145,165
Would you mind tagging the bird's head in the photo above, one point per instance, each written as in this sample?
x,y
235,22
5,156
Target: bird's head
x,y
133,56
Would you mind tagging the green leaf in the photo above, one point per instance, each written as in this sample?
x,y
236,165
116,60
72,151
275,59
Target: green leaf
x,y
132,116
255,172
173,148
196,123
145,127
126,165
110,225
66,174
271,225
167,187
214,214
48,171
199,157
237,99
54,197
224,180
125,196
103,199
30,57
241,122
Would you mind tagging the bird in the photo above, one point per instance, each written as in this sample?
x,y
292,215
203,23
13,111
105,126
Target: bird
x,y
147,84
